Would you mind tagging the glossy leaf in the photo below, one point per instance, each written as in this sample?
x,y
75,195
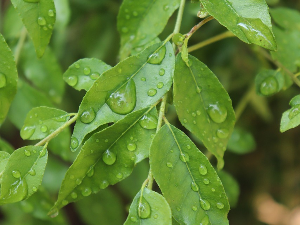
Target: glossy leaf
x,y
187,179
39,19
231,187
291,118
249,20
8,78
3,161
139,22
241,141
26,98
147,208
203,105
117,88
5,146
21,180
108,157
45,73
269,82
83,73
42,121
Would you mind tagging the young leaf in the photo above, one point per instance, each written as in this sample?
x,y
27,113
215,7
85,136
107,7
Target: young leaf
x,y
8,78
248,20
108,157
203,105
187,180
291,118
241,141
148,208
83,73
135,83
42,121
139,22
21,180
38,18
45,73
269,82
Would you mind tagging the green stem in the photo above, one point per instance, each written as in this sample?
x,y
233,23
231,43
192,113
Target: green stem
x,y
57,131
196,27
209,41
20,44
179,17
244,102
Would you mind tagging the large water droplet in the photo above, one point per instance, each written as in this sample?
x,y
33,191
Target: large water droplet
x,y
123,100
220,205
27,132
151,92
204,204
202,170
295,101
217,112
148,122
74,142
16,174
222,133
157,57
195,187
41,21
131,147
2,80
86,192
109,157
144,209
269,86
88,116
72,80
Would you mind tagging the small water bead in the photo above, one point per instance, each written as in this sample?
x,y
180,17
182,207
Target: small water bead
x,y
90,173
143,79
27,132
32,172
16,174
34,189
205,205
202,170
162,72
72,80
144,209
157,57
119,175
106,140
94,76
88,116
86,192
184,157
27,152
44,128
222,133
78,181
194,208
148,122
194,122
217,112
215,139
64,202
160,85
104,184
205,221
151,92
213,190
178,209
269,86
166,7
188,147
184,120
195,187
2,80
72,177
170,165
41,21
206,181
86,70
294,112
74,143
194,114
220,205
131,147
155,216
133,219
124,29
50,26
51,13
109,157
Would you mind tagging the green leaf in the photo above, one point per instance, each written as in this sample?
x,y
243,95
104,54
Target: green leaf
x,y
187,180
12,25
21,180
269,82
203,105
5,146
241,141
63,13
42,121
249,20
135,83
286,18
3,161
26,98
139,22
105,206
291,118
231,187
149,207
108,157
83,73
8,78
39,19
45,73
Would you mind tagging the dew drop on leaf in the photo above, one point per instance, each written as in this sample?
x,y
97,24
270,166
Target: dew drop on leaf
x,y
151,92
160,85
41,21
217,112
162,72
157,57
32,172
27,132
131,147
2,80
90,173
74,142
169,165
195,187
119,175
133,219
109,157
86,191
144,209
194,208
184,157
74,195
202,170
222,133
78,181
148,122
206,181
94,76
294,112
205,221
123,100
166,7
269,86
51,13
86,71
16,174
205,205
220,205
34,189
88,116
44,128
104,184
72,80
27,152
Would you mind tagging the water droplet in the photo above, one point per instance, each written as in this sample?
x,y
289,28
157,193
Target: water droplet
x,y
195,187
86,70
269,86
184,157
131,147
206,181
124,29
184,120
74,143
51,13
109,157
72,80
198,112
202,170
194,208
91,171
123,100
215,139
32,172
88,116
205,221
220,205
86,192
27,132
41,21
104,184
294,112
94,76
143,79
16,174
74,195
151,92
188,147
44,128
166,7
205,205
178,209
27,152
119,175
213,190
169,165
194,114
34,189
77,66
133,219
160,85
144,209
222,133
64,202
198,90
78,181
157,57
2,80
162,72
217,112
148,122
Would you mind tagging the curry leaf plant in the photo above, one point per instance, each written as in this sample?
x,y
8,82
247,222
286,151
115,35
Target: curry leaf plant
x,y
156,106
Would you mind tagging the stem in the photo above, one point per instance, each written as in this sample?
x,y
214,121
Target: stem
x,y
179,17
244,101
161,112
196,27
297,74
20,44
209,41
57,131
